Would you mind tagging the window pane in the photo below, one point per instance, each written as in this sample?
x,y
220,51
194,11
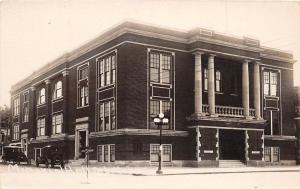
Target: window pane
x,y
106,153
267,117
154,107
154,74
99,150
154,60
273,90
267,151
266,89
205,82
106,115
166,62
276,152
112,153
165,76
275,123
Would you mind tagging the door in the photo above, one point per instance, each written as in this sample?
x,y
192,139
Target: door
x,y
81,142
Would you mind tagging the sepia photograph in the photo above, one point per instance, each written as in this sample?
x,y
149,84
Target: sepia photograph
x,y
134,94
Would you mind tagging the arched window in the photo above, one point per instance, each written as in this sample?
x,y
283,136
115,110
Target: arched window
x,y
42,96
57,90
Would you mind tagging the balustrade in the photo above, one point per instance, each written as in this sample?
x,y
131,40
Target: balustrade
x,y
228,111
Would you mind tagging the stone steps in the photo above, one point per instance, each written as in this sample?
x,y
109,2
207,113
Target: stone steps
x,y
231,163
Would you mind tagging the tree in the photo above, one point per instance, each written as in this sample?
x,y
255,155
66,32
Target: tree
x,y
5,122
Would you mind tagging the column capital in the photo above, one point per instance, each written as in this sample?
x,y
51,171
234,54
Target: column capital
x,y
65,73
198,53
32,88
257,62
47,81
246,61
212,55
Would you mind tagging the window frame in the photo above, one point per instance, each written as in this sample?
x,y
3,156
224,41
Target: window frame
x,y
218,81
163,151
16,132
102,119
273,154
16,106
268,83
56,90
160,108
56,123
157,62
106,69
270,116
42,97
41,127
109,154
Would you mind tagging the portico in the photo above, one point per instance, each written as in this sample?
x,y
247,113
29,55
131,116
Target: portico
x,y
213,110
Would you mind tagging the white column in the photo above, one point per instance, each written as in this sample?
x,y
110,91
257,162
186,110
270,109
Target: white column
x,y
256,81
211,84
245,87
198,84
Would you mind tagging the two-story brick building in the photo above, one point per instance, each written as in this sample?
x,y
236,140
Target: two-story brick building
x,y
227,98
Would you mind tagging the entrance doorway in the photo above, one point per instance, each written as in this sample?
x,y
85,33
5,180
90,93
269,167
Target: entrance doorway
x,y
81,140
232,144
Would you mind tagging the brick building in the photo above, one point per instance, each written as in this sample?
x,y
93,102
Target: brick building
x,y
227,98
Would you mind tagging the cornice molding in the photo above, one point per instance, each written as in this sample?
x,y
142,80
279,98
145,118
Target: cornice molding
x,y
143,30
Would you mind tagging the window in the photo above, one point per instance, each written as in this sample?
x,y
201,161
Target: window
x,y
16,132
166,152
273,122
57,121
82,86
83,72
41,97
106,70
26,97
205,80
160,67
16,110
271,83
158,106
25,112
106,153
218,81
57,90
107,116
83,96
272,154
41,127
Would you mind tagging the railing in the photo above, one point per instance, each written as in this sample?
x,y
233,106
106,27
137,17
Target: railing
x,y
228,111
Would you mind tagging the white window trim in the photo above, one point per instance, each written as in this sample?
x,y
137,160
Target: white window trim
x,y
62,123
38,127
161,152
55,97
272,149
160,52
102,149
87,64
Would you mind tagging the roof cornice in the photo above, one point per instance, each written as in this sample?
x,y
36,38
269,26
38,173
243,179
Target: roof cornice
x,y
147,31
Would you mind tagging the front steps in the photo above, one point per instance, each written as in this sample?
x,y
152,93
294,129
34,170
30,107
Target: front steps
x,y
231,163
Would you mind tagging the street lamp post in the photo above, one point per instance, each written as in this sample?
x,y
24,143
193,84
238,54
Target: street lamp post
x,y
160,121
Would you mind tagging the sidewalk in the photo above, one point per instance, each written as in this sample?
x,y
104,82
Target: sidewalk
x,y
151,171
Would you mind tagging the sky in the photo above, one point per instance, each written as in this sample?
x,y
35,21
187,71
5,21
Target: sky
x,y
35,32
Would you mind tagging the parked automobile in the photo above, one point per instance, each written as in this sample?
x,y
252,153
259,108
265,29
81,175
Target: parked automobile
x,y
51,155
14,154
